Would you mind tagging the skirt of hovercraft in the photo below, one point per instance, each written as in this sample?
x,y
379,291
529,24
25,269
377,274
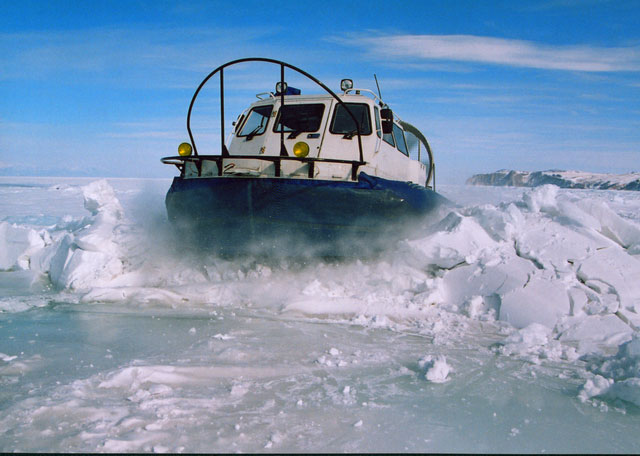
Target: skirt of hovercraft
x,y
293,217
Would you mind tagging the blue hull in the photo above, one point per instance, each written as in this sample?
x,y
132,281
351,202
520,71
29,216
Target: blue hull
x,y
232,215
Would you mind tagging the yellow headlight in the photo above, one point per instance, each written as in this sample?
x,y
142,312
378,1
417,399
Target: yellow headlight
x,y
301,149
184,149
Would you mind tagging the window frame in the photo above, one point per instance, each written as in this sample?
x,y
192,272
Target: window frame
x,y
335,113
397,127
278,116
248,116
379,132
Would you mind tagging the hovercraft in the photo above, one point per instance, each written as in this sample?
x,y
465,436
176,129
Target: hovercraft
x,y
328,174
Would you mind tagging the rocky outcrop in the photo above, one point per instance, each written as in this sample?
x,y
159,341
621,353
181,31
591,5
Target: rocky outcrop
x,y
562,179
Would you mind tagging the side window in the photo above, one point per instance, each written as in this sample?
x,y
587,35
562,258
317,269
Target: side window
x,y
388,138
342,123
256,123
378,127
400,141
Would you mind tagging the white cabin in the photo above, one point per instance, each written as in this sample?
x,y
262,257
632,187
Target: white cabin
x,y
319,127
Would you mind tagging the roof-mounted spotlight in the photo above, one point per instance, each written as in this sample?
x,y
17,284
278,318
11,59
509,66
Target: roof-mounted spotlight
x,y
346,84
281,87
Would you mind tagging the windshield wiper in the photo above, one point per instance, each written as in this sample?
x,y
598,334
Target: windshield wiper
x,y
253,133
293,134
349,134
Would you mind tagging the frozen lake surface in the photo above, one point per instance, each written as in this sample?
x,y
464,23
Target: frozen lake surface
x,y
509,324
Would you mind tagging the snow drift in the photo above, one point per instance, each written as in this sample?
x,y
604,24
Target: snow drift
x,y
561,272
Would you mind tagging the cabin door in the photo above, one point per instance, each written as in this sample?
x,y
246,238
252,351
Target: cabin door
x,y
341,139
304,124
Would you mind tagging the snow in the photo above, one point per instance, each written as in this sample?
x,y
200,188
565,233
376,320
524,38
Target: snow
x,y
437,369
616,377
509,323
18,245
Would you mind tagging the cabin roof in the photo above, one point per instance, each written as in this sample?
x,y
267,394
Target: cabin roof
x,y
288,99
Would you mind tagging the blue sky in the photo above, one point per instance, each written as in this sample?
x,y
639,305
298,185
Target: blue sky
x,y
102,88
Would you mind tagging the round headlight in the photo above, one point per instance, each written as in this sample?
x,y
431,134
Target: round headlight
x,y
184,149
301,149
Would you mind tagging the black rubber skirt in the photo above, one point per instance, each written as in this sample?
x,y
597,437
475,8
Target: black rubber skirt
x,y
294,217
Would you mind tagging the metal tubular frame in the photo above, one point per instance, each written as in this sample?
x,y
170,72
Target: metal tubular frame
x,y
283,151
418,134
224,153
179,162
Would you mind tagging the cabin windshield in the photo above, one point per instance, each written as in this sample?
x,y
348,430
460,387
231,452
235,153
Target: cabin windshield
x,y
343,124
297,118
256,122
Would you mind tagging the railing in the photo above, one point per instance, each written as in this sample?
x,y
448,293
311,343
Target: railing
x,y
180,162
359,91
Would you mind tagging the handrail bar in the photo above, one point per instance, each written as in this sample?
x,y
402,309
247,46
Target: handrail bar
x,y
168,160
375,97
271,95
179,162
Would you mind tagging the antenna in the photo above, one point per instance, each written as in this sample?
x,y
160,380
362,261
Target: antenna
x,y
378,86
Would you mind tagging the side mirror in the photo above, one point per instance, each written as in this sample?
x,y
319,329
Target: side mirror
x,y
386,116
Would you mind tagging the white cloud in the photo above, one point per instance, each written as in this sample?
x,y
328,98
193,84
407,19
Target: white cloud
x,y
480,49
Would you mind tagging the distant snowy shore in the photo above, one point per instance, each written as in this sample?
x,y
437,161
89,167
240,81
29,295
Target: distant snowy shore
x,y
563,179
